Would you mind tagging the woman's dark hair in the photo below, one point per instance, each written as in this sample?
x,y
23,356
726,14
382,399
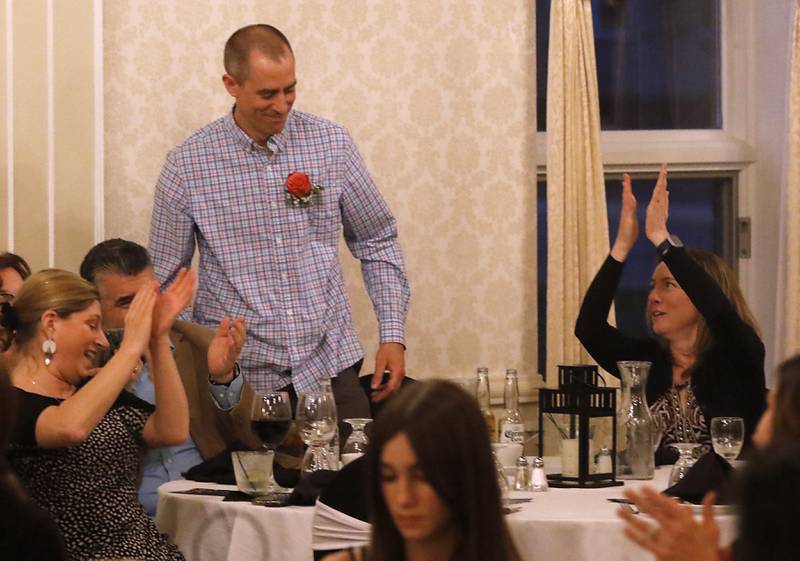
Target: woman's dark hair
x,y
786,417
12,261
770,505
726,279
448,435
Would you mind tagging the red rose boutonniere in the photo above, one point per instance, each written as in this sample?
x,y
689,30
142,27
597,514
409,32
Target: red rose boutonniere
x,y
299,189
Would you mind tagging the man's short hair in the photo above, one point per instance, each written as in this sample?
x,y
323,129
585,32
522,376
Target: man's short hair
x,y
116,256
265,39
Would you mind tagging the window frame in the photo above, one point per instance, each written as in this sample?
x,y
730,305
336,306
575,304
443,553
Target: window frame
x,y
729,150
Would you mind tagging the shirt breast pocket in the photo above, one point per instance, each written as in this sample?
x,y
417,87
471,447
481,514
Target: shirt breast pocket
x,y
325,223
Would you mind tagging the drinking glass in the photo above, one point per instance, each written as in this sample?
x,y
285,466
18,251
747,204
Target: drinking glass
x,y
727,436
270,418
316,422
356,444
685,461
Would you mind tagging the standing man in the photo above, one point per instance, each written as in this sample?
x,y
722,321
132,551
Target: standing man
x,y
264,193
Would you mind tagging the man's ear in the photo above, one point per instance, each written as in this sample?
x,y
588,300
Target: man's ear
x,y
231,85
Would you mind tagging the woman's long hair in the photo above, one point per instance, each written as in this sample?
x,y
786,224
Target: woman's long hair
x,y
448,435
50,289
725,277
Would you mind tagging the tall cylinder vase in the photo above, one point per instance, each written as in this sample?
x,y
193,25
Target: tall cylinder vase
x,y
635,457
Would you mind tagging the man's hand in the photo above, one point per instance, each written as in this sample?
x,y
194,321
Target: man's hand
x,y
390,357
225,348
677,536
171,302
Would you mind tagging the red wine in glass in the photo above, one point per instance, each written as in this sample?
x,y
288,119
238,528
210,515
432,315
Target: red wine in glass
x,y
271,431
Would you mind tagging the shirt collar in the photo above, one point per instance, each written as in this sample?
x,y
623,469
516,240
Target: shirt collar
x,y
275,143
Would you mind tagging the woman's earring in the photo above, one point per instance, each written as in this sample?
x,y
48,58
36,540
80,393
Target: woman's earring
x,y
49,349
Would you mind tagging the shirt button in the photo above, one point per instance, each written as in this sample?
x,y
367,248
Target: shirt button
x,y
221,396
273,204
169,460
284,276
289,313
278,240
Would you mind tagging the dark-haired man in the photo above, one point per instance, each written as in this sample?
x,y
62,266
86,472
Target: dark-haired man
x,y
264,193
206,361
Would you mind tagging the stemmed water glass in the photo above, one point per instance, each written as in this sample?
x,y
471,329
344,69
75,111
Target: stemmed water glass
x,y
686,458
727,436
356,444
270,418
316,422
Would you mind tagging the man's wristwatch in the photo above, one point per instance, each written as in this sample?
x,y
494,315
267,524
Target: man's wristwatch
x,y
671,241
235,375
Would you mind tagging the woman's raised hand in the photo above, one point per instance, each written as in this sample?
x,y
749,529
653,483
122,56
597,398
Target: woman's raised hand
x,y
655,227
172,301
628,222
139,319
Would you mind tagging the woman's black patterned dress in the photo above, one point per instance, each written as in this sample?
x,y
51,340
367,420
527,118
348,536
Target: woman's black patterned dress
x,y
90,489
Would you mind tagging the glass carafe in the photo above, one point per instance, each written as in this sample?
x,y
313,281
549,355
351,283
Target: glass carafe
x,y
635,458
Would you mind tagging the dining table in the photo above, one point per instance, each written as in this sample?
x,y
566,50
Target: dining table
x,y
557,525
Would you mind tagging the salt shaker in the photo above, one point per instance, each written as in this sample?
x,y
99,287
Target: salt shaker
x,y
604,461
522,478
538,477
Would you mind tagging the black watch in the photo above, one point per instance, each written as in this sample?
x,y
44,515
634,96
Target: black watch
x,y
235,375
671,241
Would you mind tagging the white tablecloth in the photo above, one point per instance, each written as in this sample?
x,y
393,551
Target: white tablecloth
x,y
559,525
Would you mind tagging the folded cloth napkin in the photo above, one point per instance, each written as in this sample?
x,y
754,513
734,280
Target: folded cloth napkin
x,y
219,469
309,487
710,473
666,454
216,469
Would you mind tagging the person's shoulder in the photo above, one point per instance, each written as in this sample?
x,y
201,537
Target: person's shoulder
x,y
207,137
307,124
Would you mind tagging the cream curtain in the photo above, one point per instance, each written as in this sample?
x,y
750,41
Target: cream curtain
x,y
788,301
577,224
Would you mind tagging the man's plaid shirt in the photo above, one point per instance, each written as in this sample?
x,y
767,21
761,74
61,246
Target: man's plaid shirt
x,y
275,264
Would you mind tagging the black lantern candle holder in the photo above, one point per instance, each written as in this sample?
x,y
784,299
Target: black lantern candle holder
x,y
579,397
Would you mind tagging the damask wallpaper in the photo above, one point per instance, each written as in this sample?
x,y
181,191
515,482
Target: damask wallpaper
x,y
440,97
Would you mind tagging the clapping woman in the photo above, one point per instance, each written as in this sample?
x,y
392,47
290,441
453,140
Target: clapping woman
x,y
433,485
79,435
708,359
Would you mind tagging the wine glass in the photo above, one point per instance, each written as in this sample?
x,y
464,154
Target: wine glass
x,y
685,461
356,444
316,422
727,436
270,418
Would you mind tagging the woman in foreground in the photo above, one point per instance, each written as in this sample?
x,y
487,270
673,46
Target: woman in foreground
x,y
433,485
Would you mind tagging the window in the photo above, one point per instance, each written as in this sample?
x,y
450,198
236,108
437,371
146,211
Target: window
x,y
673,87
700,214
658,63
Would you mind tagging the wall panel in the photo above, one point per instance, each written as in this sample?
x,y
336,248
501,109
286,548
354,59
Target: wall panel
x,y
47,203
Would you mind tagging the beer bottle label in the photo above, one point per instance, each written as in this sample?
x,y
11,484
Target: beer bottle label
x,y
512,432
